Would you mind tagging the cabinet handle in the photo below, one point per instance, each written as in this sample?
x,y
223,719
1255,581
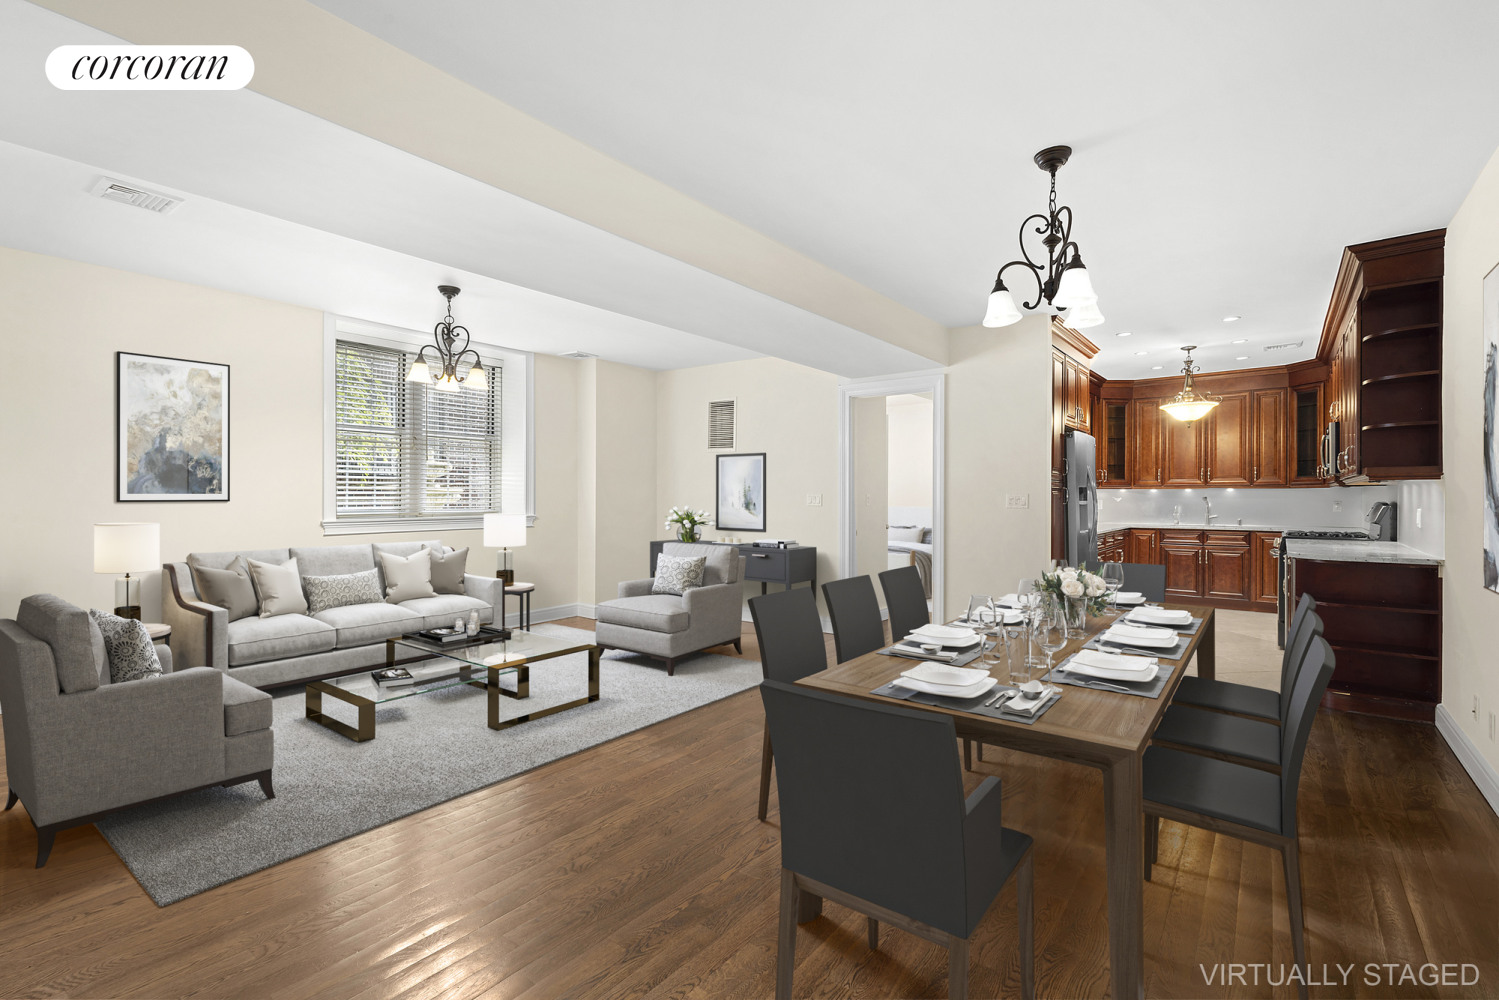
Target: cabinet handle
x,y
1256,473
758,555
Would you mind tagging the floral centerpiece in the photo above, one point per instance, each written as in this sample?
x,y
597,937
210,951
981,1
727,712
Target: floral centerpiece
x,y
685,521
1077,584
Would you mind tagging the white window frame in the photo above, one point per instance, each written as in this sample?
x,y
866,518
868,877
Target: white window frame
x,y
517,430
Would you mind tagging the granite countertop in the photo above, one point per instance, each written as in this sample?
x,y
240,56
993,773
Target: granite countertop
x,y
1336,550
1216,526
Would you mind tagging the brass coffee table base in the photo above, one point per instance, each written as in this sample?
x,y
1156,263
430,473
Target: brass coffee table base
x,y
523,687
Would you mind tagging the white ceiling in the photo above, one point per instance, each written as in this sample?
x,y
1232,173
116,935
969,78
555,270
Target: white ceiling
x,y
287,206
1225,153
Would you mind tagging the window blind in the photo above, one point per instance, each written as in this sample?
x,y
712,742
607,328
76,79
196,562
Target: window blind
x,y
405,449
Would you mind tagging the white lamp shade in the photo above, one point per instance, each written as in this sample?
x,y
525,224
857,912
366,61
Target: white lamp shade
x,y
1002,310
1075,288
447,384
476,379
126,548
504,531
1084,315
418,372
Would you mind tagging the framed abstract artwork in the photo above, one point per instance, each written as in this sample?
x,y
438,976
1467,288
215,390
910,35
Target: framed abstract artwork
x,y
741,492
172,429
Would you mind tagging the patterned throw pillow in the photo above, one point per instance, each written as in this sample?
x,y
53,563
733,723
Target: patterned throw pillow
x,y
678,574
324,592
132,655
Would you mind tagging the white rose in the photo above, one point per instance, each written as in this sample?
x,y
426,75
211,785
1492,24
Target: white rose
x,y
1072,588
1069,574
1096,587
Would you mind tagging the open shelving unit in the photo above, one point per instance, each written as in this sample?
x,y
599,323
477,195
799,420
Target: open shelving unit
x,y
1400,387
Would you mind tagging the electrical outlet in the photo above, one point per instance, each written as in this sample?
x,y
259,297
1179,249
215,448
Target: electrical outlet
x,y
814,499
1418,517
1022,500
1337,506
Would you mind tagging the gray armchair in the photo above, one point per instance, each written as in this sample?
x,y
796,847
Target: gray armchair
x,y
78,747
668,627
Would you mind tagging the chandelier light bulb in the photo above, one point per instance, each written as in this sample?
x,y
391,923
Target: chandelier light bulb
x,y
1002,309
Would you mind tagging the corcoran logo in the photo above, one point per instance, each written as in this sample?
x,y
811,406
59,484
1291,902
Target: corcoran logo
x,y
149,67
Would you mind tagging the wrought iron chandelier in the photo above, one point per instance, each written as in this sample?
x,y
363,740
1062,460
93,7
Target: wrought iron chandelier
x,y
446,335
1189,404
1062,282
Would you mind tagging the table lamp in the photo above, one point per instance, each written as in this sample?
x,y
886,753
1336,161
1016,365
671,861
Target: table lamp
x,y
504,532
126,548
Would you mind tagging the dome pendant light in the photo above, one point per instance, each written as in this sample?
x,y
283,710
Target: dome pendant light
x,y
1189,404
454,372
1063,281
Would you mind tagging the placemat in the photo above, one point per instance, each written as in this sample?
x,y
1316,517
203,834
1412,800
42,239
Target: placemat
x,y
957,661
973,706
1152,689
1159,652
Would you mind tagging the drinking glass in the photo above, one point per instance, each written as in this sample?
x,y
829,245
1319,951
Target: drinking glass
x,y
1051,630
977,605
473,623
1113,578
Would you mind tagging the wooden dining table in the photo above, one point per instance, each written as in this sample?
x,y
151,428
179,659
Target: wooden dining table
x,y
1104,729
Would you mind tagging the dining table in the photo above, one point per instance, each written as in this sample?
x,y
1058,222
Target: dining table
x,y
1104,729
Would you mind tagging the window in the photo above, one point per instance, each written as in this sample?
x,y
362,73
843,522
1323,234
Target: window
x,y
405,450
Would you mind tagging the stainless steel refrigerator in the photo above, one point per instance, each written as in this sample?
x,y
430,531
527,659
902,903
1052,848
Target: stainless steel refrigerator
x,y
1082,499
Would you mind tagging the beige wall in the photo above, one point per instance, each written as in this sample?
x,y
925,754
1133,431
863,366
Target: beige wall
x,y
59,447
625,504
1470,613
910,451
998,429
871,488
785,410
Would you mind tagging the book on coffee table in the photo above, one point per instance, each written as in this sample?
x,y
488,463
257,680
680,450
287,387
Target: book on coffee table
x,y
393,677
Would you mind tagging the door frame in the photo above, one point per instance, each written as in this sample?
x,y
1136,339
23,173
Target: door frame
x,y
889,385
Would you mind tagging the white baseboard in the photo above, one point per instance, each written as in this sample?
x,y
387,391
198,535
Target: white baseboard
x,y
1479,769
552,614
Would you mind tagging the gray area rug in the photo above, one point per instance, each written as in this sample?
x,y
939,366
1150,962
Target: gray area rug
x,y
427,749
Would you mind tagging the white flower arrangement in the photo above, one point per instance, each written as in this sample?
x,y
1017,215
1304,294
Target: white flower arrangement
x,y
685,522
1074,582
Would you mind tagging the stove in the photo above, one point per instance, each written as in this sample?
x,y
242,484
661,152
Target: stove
x,y
1351,536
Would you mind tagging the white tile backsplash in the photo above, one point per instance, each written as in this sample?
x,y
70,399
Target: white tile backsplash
x,y
1267,508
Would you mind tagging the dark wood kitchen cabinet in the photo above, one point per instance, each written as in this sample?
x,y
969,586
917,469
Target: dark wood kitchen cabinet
x,y
1143,546
1225,565
1112,544
1146,467
1112,425
1184,461
1268,439
1265,569
1306,423
1181,554
1225,433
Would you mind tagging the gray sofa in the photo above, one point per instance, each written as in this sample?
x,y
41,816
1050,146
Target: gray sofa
x,y
668,627
292,649
78,747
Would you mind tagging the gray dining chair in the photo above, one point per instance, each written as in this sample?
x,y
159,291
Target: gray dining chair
x,y
1233,737
905,599
1146,578
789,634
1241,699
873,817
855,613
1240,801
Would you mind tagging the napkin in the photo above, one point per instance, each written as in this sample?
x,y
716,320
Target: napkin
x,y
1161,616
1025,705
914,649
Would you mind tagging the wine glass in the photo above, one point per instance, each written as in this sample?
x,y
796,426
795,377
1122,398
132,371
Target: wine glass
x,y
977,605
1051,630
1113,578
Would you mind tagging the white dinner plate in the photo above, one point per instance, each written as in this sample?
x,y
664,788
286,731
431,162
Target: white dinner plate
x,y
947,635
1093,667
939,673
1161,616
947,691
1129,600
1129,639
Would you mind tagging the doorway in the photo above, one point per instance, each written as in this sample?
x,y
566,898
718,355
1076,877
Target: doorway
x,y
891,449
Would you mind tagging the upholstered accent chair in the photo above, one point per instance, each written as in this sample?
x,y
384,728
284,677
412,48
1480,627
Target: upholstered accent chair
x,y
78,747
668,627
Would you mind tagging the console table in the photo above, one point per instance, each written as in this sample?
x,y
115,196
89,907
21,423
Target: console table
x,y
794,564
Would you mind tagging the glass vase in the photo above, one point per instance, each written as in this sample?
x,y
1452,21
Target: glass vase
x,y
686,534
1077,617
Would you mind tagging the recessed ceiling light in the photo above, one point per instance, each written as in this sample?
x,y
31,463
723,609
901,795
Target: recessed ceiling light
x,y
1126,333
1141,352
1156,368
1243,358
1232,319
1245,341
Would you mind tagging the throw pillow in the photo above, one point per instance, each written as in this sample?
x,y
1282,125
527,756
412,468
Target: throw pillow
x,y
407,577
280,588
903,533
447,570
132,656
101,651
229,588
678,574
324,592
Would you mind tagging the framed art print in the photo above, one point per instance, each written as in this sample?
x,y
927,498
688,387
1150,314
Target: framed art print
x,y
172,426
741,493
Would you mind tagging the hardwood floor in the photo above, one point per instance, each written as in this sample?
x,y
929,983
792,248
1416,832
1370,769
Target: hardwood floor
x,y
638,869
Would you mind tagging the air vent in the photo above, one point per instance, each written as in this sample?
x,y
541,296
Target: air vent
x,y
721,423
127,194
1283,347
577,354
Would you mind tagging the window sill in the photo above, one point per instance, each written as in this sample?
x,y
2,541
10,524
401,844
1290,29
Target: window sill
x,y
413,525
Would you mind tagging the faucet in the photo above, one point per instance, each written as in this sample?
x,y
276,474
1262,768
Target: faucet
x,y
1208,516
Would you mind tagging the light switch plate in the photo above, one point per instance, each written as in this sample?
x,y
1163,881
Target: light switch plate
x,y
814,499
1022,500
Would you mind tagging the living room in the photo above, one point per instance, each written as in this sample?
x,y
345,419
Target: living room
x,y
658,323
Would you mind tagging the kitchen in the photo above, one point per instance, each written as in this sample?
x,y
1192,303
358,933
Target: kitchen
x,y
1321,476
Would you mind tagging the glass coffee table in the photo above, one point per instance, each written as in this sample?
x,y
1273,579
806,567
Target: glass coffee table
x,y
455,664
